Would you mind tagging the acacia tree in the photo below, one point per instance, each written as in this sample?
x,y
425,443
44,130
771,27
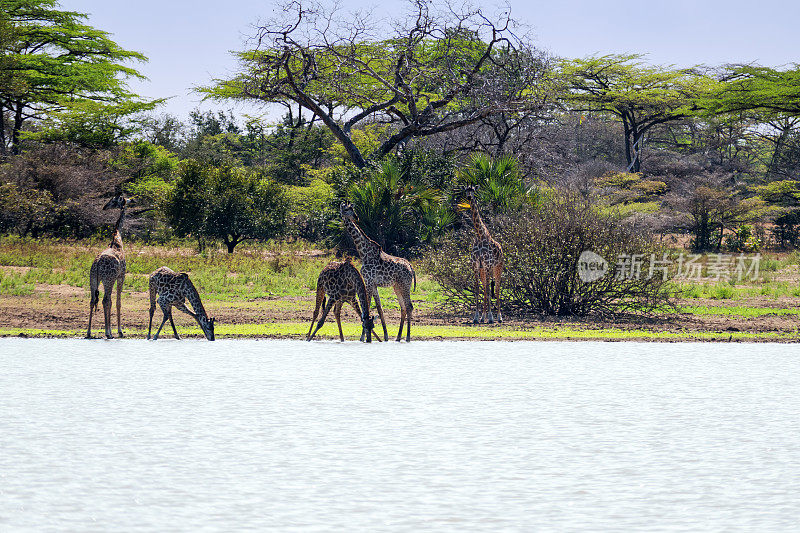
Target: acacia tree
x,y
51,61
752,87
434,72
640,96
771,98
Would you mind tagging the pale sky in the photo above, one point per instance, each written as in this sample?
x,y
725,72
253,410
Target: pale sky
x,y
188,41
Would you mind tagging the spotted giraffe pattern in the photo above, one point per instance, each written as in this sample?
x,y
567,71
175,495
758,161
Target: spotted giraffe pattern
x,y
487,261
109,268
380,269
170,289
342,283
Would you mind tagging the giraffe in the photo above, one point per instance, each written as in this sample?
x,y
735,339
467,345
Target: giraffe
x,y
342,283
109,268
380,269
487,260
173,289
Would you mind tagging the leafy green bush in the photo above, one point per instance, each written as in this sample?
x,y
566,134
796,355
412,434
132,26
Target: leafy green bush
x,y
310,210
225,203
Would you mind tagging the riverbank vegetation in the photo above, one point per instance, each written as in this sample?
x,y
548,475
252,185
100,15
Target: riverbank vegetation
x,y
268,290
609,154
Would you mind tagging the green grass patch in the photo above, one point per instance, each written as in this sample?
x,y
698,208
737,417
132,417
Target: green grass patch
x,y
739,311
353,330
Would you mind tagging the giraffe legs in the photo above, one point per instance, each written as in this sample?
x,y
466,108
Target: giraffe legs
x,y
498,273
487,298
337,312
406,307
320,300
481,314
152,310
107,290
357,308
322,318
92,306
167,312
172,323
153,293
379,307
119,304
477,316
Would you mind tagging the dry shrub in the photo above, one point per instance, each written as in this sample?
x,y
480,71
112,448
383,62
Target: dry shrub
x,y
542,248
62,188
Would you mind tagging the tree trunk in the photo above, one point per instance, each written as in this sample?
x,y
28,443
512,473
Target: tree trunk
x,y
702,236
232,242
773,161
627,131
3,147
636,148
17,129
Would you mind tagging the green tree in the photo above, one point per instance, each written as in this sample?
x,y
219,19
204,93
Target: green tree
x,y
640,96
437,71
752,87
770,101
226,203
149,171
51,60
293,145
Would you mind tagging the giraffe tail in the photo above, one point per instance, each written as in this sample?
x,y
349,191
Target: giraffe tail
x,y
96,295
494,293
415,277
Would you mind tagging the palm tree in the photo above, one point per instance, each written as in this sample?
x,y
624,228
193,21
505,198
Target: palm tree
x,y
499,183
396,213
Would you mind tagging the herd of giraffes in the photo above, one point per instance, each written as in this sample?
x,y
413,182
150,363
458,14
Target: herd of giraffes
x,y
338,283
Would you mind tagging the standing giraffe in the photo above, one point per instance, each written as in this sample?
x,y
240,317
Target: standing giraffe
x,y
487,260
342,283
173,289
109,268
380,269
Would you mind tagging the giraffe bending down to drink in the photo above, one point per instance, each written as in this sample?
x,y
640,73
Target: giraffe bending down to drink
x,y
342,283
380,269
109,268
173,289
487,260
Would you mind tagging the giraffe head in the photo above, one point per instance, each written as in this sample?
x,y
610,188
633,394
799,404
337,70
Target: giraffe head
x,y
469,196
118,202
207,324
347,212
367,325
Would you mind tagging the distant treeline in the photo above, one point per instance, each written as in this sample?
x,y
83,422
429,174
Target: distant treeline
x,y
397,126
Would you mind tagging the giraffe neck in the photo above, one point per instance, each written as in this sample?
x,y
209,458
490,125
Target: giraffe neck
x,y
361,289
194,298
480,228
366,247
116,238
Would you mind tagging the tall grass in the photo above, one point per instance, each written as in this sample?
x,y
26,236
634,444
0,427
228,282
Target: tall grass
x,y
247,274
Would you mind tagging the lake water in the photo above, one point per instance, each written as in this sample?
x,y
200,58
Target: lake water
x,y
443,436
